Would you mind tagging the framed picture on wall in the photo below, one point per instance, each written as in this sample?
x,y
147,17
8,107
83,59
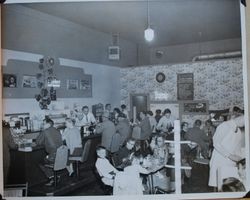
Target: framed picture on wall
x,y
29,81
185,86
85,84
72,84
9,80
195,107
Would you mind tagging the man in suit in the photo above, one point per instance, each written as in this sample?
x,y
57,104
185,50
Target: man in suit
x,y
107,129
51,139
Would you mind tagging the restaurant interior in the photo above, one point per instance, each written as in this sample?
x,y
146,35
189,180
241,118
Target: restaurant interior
x,y
127,94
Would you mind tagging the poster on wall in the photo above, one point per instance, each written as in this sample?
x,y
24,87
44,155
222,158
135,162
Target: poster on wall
x,y
195,107
185,86
29,81
86,85
72,84
9,80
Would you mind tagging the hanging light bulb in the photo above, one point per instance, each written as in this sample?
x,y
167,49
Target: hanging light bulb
x,y
149,32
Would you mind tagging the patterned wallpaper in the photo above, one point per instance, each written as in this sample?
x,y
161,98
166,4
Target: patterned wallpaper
x,y
219,81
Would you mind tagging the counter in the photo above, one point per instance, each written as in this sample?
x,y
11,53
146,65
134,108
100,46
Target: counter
x,y
24,166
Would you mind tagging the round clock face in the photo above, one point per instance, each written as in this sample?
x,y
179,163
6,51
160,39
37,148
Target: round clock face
x,y
160,77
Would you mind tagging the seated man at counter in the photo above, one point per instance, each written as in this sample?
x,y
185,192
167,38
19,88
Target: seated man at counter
x,y
122,157
51,139
86,118
73,140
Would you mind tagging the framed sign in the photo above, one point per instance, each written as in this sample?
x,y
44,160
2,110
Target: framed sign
x,y
72,84
29,81
9,80
195,107
185,86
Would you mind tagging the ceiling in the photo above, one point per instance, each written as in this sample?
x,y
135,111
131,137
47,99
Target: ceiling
x,y
174,21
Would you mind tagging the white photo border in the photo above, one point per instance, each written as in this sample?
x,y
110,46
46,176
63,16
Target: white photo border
x,y
245,31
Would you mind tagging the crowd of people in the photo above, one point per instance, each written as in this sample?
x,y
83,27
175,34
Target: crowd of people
x,y
126,143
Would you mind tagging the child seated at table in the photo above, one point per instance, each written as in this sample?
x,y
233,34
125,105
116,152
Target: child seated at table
x,y
106,171
129,181
160,152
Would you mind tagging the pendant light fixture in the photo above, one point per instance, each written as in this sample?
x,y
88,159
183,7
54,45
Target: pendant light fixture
x,y
149,32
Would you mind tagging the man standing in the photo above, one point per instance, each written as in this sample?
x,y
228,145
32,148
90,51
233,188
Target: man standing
x,y
107,129
228,148
86,119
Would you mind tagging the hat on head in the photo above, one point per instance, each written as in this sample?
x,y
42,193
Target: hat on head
x,y
105,114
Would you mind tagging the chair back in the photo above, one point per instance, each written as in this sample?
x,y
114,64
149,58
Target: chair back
x,y
86,150
115,143
61,158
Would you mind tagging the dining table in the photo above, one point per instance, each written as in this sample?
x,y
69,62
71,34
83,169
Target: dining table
x,y
152,165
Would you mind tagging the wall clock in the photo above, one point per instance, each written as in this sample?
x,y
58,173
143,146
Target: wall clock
x,y
160,77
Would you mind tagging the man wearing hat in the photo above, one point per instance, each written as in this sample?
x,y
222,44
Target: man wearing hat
x,y
107,129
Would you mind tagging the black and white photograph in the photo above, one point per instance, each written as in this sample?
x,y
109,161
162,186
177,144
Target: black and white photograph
x,y
29,81
85,84
72,84
166,116
9,80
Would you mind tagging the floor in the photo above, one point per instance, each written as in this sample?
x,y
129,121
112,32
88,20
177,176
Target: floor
x,y
89,184
197,183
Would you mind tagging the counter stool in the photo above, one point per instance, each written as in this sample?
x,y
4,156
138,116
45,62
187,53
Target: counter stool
x,y
80,158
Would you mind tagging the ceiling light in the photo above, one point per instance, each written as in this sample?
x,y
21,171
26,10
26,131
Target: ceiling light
x,y
149,32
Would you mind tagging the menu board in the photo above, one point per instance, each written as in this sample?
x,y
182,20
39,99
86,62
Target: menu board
x,y
185,86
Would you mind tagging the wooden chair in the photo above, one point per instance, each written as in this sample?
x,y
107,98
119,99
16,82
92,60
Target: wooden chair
x,y
80,158
60,162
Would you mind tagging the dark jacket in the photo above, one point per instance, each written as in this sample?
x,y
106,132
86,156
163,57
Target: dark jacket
x,y
51,139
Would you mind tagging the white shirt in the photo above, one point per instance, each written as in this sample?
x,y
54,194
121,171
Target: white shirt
x,y
86,120
165,123
104,168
